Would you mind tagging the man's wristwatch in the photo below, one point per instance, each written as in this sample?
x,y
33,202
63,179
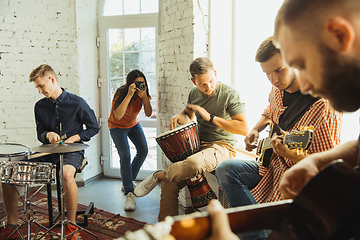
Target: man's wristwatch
x,y
211,118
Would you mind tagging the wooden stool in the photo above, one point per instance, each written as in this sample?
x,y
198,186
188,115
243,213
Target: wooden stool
x,y
89,209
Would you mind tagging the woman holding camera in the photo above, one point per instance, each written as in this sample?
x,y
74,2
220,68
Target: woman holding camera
x,y
123,124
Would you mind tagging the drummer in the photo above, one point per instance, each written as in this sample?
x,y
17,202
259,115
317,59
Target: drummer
x,y
58,106
220,115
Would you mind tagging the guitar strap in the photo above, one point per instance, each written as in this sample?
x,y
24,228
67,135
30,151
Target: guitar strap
x,y
294,112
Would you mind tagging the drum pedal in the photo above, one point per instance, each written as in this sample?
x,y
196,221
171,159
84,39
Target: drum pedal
x,y
85,222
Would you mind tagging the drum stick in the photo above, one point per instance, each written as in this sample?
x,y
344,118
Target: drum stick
x,y
36,155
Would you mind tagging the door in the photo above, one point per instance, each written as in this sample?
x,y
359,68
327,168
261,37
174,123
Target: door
x,y
127,42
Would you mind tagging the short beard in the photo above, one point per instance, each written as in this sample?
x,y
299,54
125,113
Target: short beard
x,y
340,80
209,96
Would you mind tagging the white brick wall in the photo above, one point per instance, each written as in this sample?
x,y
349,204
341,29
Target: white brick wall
x,y
59,33
86,19
179,27
182,38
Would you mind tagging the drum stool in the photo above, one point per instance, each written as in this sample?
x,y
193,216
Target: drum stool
x,y
89,209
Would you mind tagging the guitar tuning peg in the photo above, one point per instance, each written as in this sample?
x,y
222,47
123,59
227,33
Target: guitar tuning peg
x,y
305,152
305,128
311,128
299,151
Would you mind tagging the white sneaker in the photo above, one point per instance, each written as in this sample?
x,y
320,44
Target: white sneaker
x,y
146,186
130,202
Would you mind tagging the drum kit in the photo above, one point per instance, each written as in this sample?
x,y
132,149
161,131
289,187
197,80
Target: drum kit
x,y
15,170
178,144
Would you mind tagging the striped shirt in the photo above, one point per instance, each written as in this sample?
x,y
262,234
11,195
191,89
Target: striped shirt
x,y
327,125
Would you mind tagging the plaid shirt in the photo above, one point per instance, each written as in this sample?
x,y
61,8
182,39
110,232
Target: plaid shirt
x,y
327,125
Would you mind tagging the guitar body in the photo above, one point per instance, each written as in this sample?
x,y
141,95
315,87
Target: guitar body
x,y
266,157
327,208
265,151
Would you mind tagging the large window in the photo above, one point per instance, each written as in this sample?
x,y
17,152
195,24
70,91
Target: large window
x,y
237,28
125,7
132,48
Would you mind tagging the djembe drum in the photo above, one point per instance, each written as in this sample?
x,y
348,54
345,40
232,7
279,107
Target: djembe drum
x,y
178,144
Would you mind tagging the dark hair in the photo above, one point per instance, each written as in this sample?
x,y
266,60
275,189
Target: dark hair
x,y
122,91
200,66
308,15
41,71
266,50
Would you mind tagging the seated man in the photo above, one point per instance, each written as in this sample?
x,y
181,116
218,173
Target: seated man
x,y
72,112
220,115
249,182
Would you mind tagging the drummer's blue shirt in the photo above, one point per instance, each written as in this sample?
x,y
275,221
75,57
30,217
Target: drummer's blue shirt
x,y
71,111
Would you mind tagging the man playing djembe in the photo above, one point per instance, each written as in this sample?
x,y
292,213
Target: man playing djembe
x,y
220,115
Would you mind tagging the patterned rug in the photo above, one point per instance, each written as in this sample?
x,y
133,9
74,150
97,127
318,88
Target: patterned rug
x,y
103,224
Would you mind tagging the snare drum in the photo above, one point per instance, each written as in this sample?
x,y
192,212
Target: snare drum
x,y
21,173
13,152
180,143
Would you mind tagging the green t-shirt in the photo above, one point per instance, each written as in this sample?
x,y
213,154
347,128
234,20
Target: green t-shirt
x,y
225,104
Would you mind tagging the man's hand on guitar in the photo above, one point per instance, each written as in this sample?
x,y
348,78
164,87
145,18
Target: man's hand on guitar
x,y
220,227
296,177
283,150
251,140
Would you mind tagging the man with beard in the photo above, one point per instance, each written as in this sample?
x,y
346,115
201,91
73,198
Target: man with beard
x,y
220,115
327,56
250,182
322,40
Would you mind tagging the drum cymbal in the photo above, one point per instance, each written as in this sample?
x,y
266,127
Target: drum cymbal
x,y
60,147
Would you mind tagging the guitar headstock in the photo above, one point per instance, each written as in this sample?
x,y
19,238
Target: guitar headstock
x,y
300,140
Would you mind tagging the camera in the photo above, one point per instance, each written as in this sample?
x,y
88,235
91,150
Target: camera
x,y
140,85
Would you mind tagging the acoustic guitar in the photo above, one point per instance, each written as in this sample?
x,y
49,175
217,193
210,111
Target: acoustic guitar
x,y
299,140
327,208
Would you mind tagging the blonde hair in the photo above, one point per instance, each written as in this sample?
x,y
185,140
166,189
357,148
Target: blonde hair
x,y
41,71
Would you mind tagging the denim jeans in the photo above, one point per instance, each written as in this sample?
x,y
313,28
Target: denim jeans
x,y
237,178
130,169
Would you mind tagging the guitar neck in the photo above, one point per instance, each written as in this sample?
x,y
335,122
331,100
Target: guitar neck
x,y
311,215
242,219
